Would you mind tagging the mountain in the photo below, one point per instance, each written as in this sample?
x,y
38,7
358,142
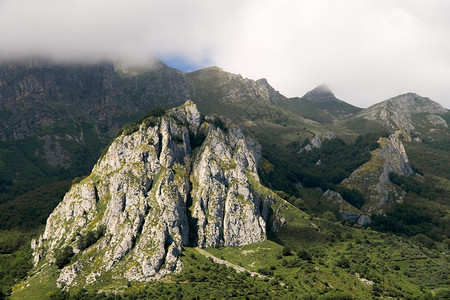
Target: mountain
x,y
176,180
214,84
321,105
384,167
415,116
57,118
174,209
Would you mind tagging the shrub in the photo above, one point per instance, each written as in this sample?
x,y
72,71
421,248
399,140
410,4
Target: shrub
x,y
286,251
218,123
304,254
156,112
90,238
424,241
265,271
294,263
329,216
343,262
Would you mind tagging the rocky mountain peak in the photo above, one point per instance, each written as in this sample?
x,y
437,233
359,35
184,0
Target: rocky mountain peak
x,y
414,103
399,113
177,179
323,88
322,93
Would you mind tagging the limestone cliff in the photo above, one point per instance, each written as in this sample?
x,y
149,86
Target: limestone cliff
x,y
176,180
372,178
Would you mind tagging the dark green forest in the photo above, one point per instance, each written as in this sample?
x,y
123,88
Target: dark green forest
x,y
287,167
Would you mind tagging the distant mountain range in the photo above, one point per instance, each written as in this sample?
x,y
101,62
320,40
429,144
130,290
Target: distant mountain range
x,y
156,162
55,119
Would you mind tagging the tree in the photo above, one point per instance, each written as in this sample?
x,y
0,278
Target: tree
x,y
329,216
63,257
90,238
286,251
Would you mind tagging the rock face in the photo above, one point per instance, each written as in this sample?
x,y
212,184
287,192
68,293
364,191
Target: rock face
x,y
36,94
372,178
175,180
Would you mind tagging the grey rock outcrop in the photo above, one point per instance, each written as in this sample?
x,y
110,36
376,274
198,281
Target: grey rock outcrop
x,y
316,142
174,181
346,210
372,178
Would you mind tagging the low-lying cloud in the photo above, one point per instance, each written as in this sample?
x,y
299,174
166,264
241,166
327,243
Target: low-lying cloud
x,y
366,51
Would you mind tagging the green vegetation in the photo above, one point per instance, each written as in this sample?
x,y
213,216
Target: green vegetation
x,y
288,167
62,258
429,160
422,212
30,188
149,118
15,259
364,265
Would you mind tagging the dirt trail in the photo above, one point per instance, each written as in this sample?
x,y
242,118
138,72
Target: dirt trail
x,y
238,269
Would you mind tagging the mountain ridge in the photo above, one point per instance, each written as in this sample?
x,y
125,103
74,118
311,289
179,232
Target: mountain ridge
x,y
399,113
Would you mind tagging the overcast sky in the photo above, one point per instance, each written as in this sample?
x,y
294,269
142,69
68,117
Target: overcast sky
x,y
365,50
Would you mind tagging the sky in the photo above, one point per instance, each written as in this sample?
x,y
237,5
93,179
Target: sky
x,y
366,50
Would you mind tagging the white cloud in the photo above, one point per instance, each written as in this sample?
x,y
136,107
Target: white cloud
x,y
366,50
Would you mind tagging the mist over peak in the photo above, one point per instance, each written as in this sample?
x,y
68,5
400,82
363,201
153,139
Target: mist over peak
x,y
366,52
